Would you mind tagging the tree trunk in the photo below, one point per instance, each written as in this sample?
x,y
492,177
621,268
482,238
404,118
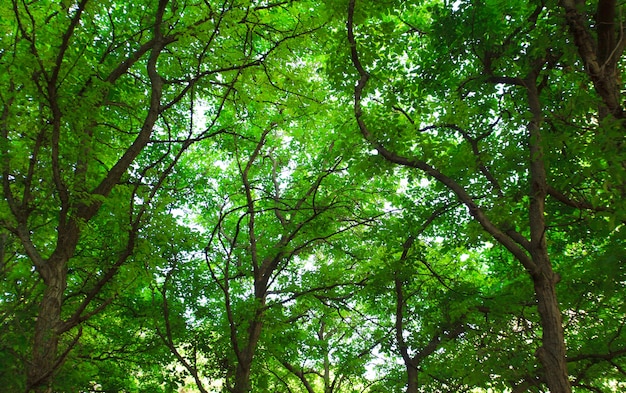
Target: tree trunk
x,y
246,356
242,377
412,381
600,57
45,360
552,353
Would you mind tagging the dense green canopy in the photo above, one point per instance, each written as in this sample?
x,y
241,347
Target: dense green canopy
x,y
312,196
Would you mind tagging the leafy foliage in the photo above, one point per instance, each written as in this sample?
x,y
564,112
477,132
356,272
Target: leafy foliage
x,y
312,196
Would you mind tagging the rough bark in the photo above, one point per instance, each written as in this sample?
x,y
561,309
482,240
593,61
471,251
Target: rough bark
x,y
552,353
412,378
600,56
246,356
46,340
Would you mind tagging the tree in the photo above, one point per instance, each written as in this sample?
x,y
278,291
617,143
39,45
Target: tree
x,y
486,66
263,210
274,222
307,196
98,105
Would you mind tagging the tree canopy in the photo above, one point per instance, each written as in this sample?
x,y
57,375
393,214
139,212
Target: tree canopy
x,y
312,196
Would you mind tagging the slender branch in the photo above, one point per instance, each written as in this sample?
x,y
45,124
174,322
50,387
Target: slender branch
x,y
301,374
610,355
65,41
577,204
245,172
169,341
156,82
423,166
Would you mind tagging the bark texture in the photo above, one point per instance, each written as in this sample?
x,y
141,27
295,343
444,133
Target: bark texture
x,y
601,54
552,353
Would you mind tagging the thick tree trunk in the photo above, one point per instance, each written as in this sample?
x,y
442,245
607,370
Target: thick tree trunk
x,y
552,353
45,359
242,377
245,358
412,381
242,373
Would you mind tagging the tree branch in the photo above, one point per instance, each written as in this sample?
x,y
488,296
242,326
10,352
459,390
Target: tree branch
x,y
423,166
